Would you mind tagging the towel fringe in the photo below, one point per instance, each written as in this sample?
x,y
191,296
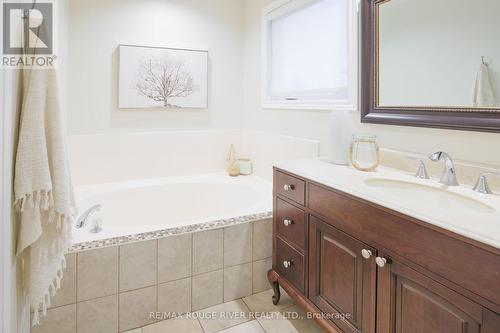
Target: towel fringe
x,y
36,199
45,300
44,304
58,283
42,199
59,221
48,297
52,289
46,200
36,319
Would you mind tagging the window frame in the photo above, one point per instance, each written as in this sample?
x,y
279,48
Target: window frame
x,y
280,8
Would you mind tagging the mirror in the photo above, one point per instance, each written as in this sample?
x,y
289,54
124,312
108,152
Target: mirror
x,y
430,53
432,63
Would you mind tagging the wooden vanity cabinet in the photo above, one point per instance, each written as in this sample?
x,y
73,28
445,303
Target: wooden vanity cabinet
x,y
358,267
341,281
408,301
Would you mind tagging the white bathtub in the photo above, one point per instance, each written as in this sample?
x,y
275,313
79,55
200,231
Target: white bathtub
x,y
141,206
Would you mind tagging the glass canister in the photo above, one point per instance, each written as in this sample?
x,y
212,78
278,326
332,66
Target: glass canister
x,y
245,165
364,152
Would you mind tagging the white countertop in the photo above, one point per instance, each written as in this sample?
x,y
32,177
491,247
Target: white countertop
x,y
483,226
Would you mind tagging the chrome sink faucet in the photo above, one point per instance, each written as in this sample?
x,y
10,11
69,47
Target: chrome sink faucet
x,y
449,177
82,220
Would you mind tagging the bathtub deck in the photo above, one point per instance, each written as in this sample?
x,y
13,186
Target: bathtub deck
x,y
146,209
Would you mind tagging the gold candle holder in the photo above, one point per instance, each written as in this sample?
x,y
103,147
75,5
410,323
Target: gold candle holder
x,y
369,144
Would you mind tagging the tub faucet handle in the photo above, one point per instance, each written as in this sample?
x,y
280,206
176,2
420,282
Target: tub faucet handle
x,y
97,226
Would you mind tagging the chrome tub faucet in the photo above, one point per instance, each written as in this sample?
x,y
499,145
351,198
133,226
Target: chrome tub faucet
x,y
82,220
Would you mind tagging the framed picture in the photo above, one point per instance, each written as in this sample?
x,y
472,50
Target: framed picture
x,y
157,77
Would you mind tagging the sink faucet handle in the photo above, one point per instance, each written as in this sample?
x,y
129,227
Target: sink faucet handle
x,y
482,182
422,170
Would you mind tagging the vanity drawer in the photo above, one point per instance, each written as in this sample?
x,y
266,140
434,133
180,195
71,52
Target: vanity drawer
x,y
290,187
290,264
291,223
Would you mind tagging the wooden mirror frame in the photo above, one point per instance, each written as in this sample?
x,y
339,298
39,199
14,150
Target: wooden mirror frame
x,y
459,118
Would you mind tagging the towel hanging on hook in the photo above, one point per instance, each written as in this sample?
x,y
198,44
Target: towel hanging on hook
x,y
483,93
484,61
26,12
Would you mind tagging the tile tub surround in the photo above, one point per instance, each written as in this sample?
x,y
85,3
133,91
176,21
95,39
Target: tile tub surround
x,y
114,288
121,240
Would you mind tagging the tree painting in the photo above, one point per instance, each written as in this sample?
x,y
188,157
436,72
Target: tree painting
x,y
162,80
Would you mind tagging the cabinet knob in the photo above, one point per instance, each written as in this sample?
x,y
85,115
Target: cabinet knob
x,y
287,222
288,187
366,253
380,261
287,263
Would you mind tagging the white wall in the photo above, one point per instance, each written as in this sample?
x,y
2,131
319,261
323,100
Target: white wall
x,y
429,57
472,146
230,30
96,29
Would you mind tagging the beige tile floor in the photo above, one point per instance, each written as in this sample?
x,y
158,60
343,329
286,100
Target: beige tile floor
x,y
252,314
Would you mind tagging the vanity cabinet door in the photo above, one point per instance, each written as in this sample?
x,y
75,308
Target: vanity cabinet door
x,y
341,281
409,302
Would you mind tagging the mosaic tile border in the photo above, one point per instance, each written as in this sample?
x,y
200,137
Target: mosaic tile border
x,y
168,232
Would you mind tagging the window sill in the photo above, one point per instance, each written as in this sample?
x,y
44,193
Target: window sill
x,y
305,106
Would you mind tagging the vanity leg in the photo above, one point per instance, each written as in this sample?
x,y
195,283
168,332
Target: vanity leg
x,y
272,276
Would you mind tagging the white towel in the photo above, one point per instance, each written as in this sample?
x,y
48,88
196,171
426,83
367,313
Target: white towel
x,y
483,92
43,191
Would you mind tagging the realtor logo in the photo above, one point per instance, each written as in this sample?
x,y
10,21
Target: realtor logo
x,y
28,34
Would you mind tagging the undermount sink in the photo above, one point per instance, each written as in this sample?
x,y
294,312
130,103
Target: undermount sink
x,y
428,195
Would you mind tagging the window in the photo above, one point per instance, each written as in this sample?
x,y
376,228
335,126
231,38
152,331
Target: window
x,y
310,54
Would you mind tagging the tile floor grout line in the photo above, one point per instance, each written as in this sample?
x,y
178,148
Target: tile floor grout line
x,y
201,326
232,326
245,302
263,328
250,319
